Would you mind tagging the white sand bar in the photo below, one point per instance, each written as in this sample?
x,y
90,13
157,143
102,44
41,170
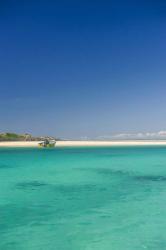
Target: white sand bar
x,y
88,143
109,143
19,144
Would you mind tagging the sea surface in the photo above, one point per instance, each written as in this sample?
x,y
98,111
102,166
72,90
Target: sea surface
x,y
110,198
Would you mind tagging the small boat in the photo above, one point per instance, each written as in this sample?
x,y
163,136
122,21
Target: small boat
x,y
47,143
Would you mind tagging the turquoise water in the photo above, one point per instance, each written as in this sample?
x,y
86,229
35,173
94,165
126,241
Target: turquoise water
x,y
83,198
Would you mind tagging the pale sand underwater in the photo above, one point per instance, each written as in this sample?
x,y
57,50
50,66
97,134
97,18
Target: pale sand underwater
x,y
87,143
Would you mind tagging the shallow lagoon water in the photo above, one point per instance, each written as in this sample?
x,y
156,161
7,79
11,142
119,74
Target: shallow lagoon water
x,y
83,198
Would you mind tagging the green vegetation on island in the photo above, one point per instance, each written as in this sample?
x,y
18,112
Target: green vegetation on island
x,y
23,137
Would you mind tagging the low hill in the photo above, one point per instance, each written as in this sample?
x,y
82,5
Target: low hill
x,y
22,137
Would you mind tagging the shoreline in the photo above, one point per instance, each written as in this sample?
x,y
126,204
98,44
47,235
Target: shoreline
x,y
87,143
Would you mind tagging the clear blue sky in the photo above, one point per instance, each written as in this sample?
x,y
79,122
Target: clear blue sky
x,y
82,68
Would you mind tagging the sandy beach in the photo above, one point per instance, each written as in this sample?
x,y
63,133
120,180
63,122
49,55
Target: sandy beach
x,y
87,143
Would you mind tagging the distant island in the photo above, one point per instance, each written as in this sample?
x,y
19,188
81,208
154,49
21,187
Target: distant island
x,y
23,137
27,140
